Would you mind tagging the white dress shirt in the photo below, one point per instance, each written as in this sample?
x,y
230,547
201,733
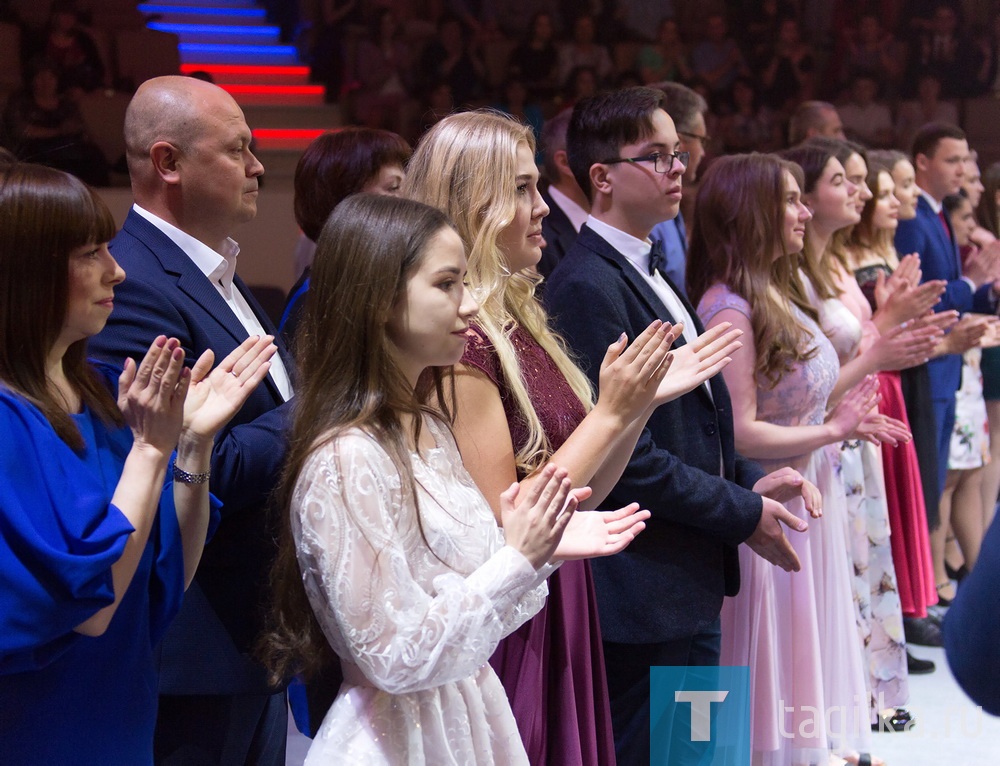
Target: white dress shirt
x,y
220,268
636,252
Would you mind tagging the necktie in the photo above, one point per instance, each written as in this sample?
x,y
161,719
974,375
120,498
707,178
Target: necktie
x,y
657,260
944,222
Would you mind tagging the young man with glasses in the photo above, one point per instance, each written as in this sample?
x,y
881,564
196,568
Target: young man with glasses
x,y
660,600
687,109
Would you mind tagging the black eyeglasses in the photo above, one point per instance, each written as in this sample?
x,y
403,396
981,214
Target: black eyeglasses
x,y
705,140
662,163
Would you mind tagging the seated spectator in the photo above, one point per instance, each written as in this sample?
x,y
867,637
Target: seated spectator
x,y
814,118
749,126
71,50
944,50
517,103
760,22
582,51
384,70
865,119
927,107
870,49
666,59
536,60
788,77
717,59
582,83
450,59
44,126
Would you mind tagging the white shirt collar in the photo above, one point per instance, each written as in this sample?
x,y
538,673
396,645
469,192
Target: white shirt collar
x,y
936,206
577,215
218,267
635,250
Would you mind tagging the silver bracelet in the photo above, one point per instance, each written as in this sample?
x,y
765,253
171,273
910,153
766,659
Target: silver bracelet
x,y
190,478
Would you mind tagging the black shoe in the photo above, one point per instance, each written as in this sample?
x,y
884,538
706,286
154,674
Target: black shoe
x,y
917,666
922,632
956,574
895,720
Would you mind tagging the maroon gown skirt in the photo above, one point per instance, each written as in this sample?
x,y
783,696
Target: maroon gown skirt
x,y
552,668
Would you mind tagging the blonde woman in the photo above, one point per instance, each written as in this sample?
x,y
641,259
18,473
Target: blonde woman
x,y
520,401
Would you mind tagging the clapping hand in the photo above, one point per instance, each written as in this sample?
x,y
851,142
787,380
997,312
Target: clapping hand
x,y
591,534
787,483
694,363
151,395
217,394
630,375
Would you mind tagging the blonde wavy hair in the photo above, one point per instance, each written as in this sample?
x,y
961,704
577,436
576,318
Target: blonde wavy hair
x,y
466,166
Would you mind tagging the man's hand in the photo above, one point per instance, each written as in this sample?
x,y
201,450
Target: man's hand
x,y
768,540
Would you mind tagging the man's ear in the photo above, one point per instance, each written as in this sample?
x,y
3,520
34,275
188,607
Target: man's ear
x,y
561,159
164,157
921,162
600,179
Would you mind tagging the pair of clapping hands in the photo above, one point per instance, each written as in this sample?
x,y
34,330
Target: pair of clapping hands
x,y
165,403
634,379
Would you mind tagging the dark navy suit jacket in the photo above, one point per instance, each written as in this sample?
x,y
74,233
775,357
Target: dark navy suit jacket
x,y
206,649
670,581
939,259
559,236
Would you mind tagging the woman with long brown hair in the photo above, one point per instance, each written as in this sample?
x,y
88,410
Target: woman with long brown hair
x,y
389,555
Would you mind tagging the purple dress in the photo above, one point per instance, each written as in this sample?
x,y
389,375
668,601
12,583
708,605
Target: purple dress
x,y
552,667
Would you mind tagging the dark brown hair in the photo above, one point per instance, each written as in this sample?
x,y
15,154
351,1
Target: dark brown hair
x,y
338,164
44,215
930,135
369,247
986,212
734,237
603,124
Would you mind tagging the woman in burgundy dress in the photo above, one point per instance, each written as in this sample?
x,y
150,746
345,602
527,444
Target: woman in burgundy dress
x,y
522,401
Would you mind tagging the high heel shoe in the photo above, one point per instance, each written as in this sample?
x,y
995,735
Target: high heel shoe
x,y
956,574
943,600
899,719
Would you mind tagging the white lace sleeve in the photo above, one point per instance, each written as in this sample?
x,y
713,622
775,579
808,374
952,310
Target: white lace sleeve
x,y
387,603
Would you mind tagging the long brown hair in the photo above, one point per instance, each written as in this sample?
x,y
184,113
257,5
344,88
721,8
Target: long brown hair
x,y
736,231
865,236
987,213
368,248
44,215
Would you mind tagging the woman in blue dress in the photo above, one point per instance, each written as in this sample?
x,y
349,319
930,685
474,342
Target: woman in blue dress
x,y
102,523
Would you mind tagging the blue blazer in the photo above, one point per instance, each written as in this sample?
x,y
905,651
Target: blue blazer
x,y
206,649
669,583
939,259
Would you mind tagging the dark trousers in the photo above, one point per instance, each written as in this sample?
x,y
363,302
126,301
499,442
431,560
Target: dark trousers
x,y
221,730
628,684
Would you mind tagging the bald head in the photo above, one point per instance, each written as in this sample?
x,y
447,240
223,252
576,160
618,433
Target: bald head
x,y
189,158
171,109
814,118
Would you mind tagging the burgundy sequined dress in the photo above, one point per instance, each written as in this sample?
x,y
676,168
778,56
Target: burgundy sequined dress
x,y
553,666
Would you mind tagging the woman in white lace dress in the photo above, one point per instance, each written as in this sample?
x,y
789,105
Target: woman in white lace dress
x,y
406,575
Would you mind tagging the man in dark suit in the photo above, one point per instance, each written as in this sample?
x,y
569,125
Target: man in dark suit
x,y
660,600
194,180
568,205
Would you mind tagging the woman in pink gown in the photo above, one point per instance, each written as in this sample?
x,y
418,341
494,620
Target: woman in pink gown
x,y
741,269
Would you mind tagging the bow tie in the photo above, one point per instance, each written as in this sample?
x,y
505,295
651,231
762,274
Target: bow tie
x,y
657,258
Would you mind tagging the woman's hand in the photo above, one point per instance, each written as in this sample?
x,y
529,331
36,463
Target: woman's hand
x,y
535,525
591,534
967,333
877,428
853,408
787,483
905,345
694,363
216,395
151,395
630,376
901,299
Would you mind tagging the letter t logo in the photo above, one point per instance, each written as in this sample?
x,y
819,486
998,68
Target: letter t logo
x,y
701,711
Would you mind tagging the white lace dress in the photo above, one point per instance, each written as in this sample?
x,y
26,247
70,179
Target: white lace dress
x,y
413,608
